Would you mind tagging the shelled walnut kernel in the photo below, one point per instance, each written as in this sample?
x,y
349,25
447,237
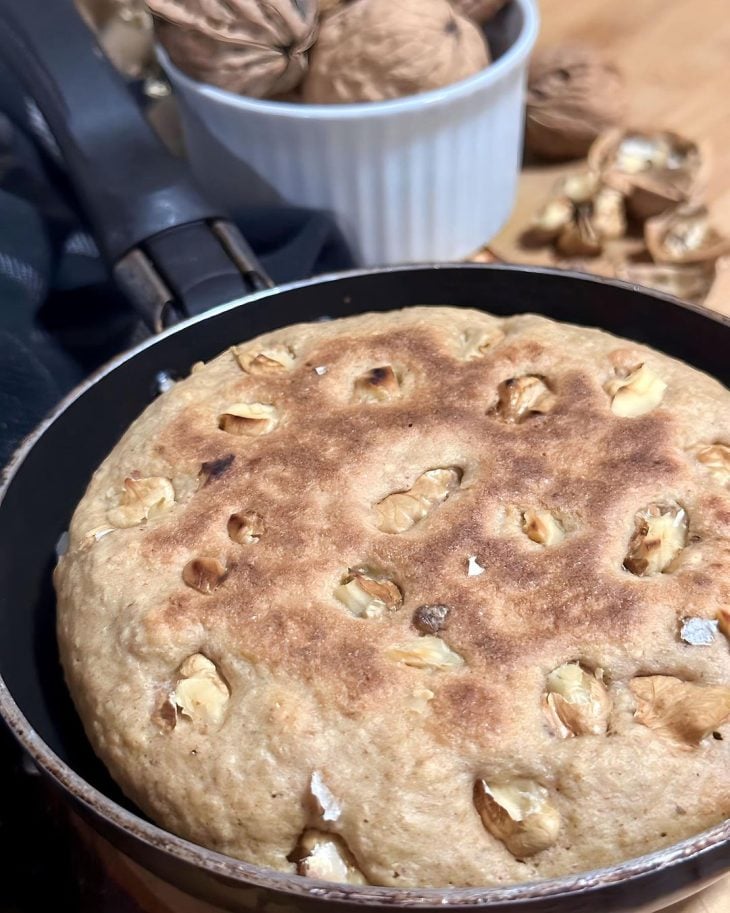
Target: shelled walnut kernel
x,y
519,813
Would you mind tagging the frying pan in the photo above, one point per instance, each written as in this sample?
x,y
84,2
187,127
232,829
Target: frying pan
x,y
177,256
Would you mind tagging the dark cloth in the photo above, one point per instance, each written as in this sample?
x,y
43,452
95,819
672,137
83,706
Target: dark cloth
x,y
60,316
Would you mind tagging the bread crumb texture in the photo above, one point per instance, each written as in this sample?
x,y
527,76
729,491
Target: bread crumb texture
x,y
421,598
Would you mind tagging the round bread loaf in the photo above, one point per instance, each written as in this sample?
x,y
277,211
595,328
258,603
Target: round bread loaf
x,y
417,598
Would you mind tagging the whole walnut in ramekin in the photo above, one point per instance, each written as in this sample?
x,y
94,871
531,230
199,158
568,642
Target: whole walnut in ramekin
x,y
479,10
371,50
244,46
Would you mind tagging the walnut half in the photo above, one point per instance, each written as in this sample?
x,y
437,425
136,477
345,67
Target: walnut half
x,y
576,702
543,527
368,595
246,527
272,359
427,652
636,394
398,512
519,813
325,804
476,343
684,235
660,534
716,460
141,499
655,171
520,397
201,694
249,419
683,711
204,574
378,385
327,857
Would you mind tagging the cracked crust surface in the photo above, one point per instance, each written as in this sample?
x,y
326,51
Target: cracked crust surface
x,y
312,687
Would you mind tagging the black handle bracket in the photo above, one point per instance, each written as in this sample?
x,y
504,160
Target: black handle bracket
x,y
178,273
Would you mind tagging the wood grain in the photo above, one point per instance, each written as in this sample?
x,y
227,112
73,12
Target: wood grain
x,y
715,899
675,57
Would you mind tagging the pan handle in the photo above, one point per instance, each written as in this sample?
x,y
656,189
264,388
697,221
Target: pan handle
x,y
172,252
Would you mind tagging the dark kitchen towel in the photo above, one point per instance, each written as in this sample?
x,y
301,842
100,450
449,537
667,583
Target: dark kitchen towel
x,y
60,317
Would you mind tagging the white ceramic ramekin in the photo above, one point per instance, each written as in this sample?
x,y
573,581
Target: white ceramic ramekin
x,y
427,177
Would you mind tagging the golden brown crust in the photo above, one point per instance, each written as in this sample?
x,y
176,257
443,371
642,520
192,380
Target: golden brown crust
x,y
312,685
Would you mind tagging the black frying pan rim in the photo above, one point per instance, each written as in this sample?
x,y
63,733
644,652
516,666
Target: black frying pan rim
x,y
237,871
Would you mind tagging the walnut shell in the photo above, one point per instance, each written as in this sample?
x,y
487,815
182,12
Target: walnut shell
x,y
573,95
580,216
691,281
244,46
684,235
478,10
371,50
655,170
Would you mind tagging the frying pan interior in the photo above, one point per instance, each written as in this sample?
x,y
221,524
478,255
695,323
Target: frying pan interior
x,y
51,478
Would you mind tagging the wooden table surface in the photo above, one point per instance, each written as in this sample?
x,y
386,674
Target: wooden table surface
x,y
715,899
675,57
